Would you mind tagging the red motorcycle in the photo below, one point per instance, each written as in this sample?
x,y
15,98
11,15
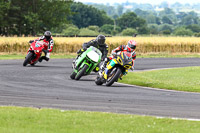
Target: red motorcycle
x,y
34,53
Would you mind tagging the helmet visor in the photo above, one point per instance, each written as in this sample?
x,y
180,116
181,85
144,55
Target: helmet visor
x,y
131,46
47,37
101,41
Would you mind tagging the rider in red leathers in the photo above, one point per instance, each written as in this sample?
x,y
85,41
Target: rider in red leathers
x,y
130,47
48,45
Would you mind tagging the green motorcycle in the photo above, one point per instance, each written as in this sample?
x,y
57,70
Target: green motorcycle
x,y
86,62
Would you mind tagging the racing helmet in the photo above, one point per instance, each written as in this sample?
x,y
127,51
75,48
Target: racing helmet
x,y
131,44
101,39
47,35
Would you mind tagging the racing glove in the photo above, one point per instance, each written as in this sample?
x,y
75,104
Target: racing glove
x,y
31,41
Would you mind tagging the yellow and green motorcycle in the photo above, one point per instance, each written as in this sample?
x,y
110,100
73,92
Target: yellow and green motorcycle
x,y
115,69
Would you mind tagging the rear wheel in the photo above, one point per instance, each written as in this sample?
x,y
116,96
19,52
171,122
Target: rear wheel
x,y
115,73
28,58
81,72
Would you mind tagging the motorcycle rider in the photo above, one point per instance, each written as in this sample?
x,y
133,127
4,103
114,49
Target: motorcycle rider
x,y
48,45
99,43
130,47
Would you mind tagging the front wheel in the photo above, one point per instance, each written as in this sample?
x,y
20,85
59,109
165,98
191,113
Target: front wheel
x,y
98,81
72,76
28,58
81,72
113,77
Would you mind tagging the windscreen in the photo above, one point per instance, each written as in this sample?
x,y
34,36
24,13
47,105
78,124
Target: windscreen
x,y
127,55
39,44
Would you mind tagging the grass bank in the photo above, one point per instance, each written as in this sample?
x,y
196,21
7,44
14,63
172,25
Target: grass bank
x,y
181,79
22,56
5,56
31,120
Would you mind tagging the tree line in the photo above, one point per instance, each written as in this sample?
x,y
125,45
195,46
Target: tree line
x,y
168,21
29,17
69,18
32,17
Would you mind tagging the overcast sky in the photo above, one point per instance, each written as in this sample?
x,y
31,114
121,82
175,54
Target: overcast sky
x,y
143,1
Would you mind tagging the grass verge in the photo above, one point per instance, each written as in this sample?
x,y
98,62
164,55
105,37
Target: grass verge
x,y
32,120
168,55
4,56
22,56
181,79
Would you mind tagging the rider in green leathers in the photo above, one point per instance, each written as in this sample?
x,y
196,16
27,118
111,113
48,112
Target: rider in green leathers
x,y
99,43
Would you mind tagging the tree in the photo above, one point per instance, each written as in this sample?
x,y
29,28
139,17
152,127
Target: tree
x,y
71,30
54,13
34,16
166,32
4,8
94,28
130,20
129,32
120,9
107,19
107,28
84,15
149,16
87,32
143,30
166,20
153,28
164,27
110,10
194,27
158,21
183,32
189,19
169,15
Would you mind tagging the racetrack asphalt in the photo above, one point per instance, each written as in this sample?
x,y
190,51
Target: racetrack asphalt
x,y
48,85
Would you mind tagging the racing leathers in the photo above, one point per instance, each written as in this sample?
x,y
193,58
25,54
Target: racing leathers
x,y
48,47
118,51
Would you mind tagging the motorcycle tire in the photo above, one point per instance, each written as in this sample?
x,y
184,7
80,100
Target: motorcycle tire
x,y
114,78
28,58
72,76
81,72
98,81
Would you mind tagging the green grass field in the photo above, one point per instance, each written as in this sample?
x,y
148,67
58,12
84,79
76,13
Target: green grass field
x,y
181,79
73,55
21,56
32,120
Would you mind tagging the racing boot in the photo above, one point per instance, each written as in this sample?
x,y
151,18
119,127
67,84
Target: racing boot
x,y
43,58
73,64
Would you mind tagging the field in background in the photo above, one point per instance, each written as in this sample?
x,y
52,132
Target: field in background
x,y
146,45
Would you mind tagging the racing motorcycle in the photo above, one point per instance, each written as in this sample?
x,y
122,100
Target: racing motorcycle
x,y
123,62
86,62
34,53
